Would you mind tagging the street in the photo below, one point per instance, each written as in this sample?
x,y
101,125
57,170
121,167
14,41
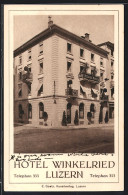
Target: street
x,y
88,140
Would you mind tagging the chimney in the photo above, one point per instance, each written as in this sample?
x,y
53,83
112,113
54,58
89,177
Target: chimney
x,y
86,36
50,22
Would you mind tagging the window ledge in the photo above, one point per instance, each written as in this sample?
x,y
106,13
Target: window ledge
x,y
41,56
70,53
82,58
40,95
92,62
20,64
40,75
29,61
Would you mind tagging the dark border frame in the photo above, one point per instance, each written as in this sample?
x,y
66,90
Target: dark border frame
x,y
125,2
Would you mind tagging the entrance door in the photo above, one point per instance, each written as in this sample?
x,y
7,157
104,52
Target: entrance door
x,y
69,113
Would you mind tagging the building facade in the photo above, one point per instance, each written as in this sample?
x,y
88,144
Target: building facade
x,y
60,75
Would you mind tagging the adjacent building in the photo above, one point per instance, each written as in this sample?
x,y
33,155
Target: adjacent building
x,y
60,75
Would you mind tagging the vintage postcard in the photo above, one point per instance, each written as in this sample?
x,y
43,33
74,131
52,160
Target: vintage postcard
x,y
63,97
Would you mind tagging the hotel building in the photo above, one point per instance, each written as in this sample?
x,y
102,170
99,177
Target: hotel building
x,y
57,74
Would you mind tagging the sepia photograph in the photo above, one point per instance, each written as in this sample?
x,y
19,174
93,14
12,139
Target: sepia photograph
x,y
63,98
63,78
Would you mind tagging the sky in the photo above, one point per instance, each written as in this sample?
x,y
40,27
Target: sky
x,y
100,27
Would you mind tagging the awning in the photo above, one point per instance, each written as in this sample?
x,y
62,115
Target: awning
x,y
39,86
83,89
94,94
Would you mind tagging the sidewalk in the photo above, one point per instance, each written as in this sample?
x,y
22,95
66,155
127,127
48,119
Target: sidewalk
x,y
21,127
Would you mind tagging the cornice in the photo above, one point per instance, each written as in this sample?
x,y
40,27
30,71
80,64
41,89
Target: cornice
x,y
54,29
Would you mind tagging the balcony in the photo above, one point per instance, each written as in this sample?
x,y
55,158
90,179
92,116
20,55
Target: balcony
x,y
111,84
89,78
104,97
102,84
71,93
27,78
69,75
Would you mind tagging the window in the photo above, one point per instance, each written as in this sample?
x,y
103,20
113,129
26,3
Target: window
x,y
20,59
69,47
69,66
29,89
101,76
81,69
81,53
29,111
93,71
20,76
101,62
111,52
20,90
112,63
29,54
40,91
81,91
20,111
92,57
69,84
112,92
92,109
40,48
81,111
112,77
41,110
41,67
69,113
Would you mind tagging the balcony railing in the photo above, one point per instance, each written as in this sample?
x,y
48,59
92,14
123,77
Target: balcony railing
x,y
71,92
89,77
102,84
69,75
27,77
104,97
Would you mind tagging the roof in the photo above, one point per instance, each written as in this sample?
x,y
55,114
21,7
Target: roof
x,y
54,29
108,43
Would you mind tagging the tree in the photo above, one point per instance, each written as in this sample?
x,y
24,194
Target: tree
x,y
76,120
64,120
45,117
106,117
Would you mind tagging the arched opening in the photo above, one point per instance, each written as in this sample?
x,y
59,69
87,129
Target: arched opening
x,y
29,111
20,111
41,110
81,111
69,113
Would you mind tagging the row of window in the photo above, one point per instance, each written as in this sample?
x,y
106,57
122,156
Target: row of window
x,y
81,111
41,111
30,70
30,53
40,90
69,50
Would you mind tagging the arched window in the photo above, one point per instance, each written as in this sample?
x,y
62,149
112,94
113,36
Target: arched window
x,y
20,111
69,113
29,111
41,110
92,110
81,110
